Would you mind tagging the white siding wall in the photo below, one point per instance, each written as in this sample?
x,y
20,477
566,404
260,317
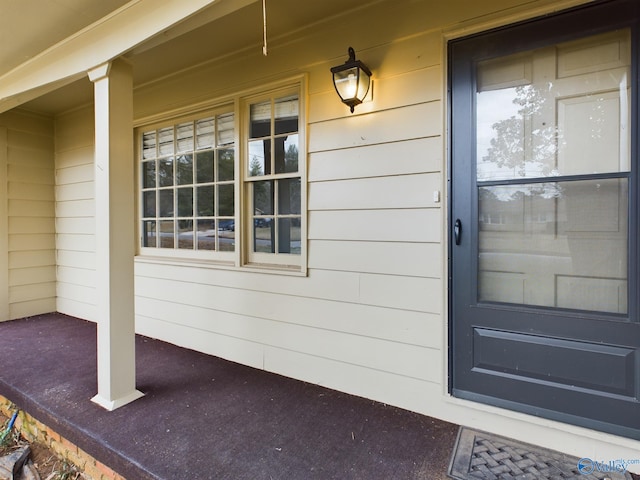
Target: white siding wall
x,y
75,210
28,171
368,318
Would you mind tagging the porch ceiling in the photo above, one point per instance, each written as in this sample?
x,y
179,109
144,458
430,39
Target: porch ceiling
x,y
29,27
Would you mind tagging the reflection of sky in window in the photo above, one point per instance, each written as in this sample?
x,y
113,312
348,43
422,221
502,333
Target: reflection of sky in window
x,y
492,106
256,153
290,140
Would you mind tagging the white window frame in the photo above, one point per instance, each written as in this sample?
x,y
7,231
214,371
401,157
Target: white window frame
x,y
241,257
276,260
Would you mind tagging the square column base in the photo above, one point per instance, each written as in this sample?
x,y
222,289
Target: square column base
x,y
118,402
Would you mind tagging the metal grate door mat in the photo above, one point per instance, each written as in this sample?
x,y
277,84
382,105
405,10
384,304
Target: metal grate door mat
x,y
481,455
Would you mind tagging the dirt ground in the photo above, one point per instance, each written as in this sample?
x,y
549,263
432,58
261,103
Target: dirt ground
x,y
48,465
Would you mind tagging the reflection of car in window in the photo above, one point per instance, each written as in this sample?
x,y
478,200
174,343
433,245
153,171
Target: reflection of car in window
x,y
262,222
226,225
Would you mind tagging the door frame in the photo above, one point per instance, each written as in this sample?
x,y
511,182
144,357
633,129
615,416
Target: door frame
x,y
526,41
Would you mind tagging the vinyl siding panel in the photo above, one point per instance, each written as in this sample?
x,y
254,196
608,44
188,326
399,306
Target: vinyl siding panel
x,y
397,158
414,121
75,214
411,259
30,215
375,193
401,225
33,275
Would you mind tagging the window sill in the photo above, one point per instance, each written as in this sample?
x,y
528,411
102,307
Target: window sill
x,y
222,265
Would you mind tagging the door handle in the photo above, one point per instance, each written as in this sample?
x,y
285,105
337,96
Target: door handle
x,y
457,231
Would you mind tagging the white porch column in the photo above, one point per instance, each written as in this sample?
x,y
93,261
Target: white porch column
x,y
115,236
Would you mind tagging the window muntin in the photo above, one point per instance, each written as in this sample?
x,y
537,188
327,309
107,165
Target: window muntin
x,y
188,185
273,182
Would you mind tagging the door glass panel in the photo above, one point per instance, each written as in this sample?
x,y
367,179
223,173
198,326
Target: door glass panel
x,y
560,113
560,244
555,111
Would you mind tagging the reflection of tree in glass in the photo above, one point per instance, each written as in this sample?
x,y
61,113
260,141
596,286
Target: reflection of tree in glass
x,y
205,201
165,172
225,165
291,159
262,198
225,200
184,166
526,145
255,167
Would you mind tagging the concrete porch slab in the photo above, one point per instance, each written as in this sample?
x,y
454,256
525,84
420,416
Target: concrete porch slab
x,y
206,418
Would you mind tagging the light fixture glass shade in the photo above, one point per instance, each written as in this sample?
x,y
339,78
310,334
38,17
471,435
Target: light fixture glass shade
x,y
352,80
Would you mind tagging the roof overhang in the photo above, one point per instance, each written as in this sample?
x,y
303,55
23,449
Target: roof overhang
x,y
135,27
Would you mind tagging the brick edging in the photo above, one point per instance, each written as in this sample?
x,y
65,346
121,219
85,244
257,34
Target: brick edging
x,y
34,431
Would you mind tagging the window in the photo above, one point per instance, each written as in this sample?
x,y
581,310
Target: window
x,y
273,180
206,195
188,181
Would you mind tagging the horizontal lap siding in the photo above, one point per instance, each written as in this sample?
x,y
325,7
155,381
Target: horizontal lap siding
x,y
75,214
367,319
30,214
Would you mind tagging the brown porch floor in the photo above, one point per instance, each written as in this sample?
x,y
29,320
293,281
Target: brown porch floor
x,y
207,418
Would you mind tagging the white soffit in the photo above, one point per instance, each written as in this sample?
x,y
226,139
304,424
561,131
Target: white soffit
x,y
113,35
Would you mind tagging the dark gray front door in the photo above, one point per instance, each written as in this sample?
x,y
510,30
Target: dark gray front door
x,y
544,206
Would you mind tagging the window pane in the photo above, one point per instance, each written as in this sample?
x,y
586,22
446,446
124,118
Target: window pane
x,y
166,234
184,173
165,172
185,202
225,200
166,203
542,113
149,204
559,244
206,235
287,154
263,198
226,165
289,235
204,133
260,125
184,133
259,158
148,234
286,114
185,234
165,141
149,145
205,201
289,196
204,165
226,129
149,174
264,235
226,235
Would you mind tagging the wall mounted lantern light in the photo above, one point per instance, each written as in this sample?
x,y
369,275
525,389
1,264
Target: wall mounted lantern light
x,y
352,80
